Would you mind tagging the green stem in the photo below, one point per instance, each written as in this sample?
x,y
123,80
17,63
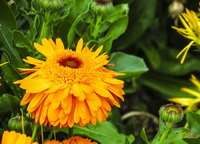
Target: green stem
x,y
44,28
97,26
70,132
36,126
165,133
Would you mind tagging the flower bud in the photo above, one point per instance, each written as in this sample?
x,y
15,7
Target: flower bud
x,y
171,113
49,5
175,8
15,123
101,6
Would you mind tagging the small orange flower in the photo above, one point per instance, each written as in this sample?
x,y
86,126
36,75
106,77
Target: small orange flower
x,y
53,142
78,140
72,140
70,87
15,138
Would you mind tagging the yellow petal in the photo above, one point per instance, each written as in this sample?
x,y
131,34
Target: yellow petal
x,y
79,45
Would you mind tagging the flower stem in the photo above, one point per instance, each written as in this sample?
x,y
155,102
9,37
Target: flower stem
x,y
36,126
97,26
23,129
70,132
44,28
42,134
54,132
165,133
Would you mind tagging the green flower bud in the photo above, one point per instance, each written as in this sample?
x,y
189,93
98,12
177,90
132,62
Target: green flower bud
x,y
15,123
101,6
50,5
171,113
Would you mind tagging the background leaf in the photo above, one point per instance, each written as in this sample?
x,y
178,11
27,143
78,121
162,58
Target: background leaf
x,y
131,65
104,133
8,102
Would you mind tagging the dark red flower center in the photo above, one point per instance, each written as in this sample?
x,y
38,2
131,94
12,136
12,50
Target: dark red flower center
x,y
71,62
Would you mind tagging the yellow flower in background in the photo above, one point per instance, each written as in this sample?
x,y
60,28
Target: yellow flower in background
x,y
13,137
72,140
191,104
2,65
191,30
70,87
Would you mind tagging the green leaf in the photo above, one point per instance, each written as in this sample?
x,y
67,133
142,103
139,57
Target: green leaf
x,y
10,75
7,24
175,136
151,53
116,29
192,140
168,86
118,12
22,41
170,65
193,122
79,11
104,133
144,136
8,102
141,17
131,65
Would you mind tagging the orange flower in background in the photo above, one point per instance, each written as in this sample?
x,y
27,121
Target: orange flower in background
x,y
70,87
13,137
78,140
72,140
53,142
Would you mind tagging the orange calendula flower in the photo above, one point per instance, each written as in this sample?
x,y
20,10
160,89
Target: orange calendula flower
x,y
78,140
70,87
13,137
191,22
53,142
72,140
191,104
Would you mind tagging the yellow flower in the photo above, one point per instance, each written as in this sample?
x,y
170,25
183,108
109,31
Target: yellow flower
x,y
15,138
2,65
70,87
192,104
191,22
72,140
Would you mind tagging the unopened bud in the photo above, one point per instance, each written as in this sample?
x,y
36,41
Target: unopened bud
x,y
101,6
49,5
171,113
15,123
175,8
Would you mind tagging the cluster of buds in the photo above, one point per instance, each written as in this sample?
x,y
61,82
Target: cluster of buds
x,y
172,113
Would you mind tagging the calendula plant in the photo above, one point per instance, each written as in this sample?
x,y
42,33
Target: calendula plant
x,y
88,72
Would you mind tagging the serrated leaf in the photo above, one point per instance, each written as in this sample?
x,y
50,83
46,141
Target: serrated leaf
x,y
131,65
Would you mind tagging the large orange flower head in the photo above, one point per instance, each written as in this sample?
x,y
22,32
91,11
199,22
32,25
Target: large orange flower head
x,y
72,140
13,137
70,87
